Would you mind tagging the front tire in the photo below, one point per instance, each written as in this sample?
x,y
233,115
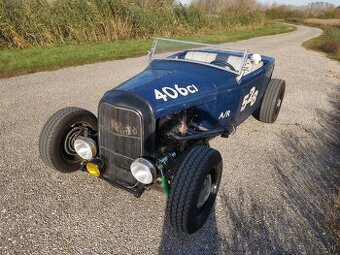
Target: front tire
x,y
272,101
58,134
194,189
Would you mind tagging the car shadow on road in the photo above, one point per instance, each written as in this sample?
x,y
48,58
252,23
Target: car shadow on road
x,y
309,191
306,173
205,241
253,227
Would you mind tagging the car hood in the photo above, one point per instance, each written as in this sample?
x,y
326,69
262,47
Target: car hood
x,y
170,86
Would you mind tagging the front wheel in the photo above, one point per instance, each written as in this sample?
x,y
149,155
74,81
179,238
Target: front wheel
x,y
58,135
272,101
194,189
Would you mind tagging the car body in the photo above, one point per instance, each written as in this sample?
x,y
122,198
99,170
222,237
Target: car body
x,y
215,94
162,118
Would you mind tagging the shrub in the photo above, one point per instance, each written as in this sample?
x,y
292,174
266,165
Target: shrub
x,y
28,23
330,46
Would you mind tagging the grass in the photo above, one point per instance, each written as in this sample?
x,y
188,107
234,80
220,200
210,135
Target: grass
x,y
328,42
323,22
22,61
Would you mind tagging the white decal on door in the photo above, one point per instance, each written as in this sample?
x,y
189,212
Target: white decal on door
x,y
224,114
250,98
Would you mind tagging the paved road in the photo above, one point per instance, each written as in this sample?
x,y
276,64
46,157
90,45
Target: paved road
x,y
276,183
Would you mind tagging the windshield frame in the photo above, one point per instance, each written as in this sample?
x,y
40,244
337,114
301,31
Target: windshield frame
x,y
219,47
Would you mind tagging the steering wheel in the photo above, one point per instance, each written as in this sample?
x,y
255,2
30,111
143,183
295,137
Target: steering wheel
x,y
222,63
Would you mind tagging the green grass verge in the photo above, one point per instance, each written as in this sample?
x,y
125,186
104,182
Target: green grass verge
x,y
15,61
328,42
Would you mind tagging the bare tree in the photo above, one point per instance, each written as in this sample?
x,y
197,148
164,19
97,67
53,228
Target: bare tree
x,y
317,8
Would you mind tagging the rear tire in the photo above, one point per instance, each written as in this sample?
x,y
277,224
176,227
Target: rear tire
x,y
194,189
272,101
57,136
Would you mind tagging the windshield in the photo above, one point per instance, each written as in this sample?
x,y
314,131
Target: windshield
x,y
227,58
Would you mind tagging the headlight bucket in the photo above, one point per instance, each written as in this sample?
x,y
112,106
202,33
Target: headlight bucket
x,y
143,170
85,147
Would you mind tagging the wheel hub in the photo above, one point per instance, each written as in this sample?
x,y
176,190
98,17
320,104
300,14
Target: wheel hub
x,y
69,140
279,103
205,192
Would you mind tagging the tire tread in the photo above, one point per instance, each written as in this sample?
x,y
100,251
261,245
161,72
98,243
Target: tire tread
x,y
268,104
182,190
51,129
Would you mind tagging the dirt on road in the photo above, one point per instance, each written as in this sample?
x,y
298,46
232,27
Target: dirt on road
x,y
277,182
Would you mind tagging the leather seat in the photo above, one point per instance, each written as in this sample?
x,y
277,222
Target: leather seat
x,y
206,57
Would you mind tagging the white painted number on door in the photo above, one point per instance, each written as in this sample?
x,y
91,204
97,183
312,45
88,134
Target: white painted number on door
x,y
250,98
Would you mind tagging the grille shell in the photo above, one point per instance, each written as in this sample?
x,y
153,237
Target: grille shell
x,y
121,136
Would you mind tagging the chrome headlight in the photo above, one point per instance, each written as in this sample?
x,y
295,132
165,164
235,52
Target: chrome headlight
x,y
85,147
143,170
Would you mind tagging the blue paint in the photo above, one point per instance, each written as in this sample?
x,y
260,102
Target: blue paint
x,y
218,90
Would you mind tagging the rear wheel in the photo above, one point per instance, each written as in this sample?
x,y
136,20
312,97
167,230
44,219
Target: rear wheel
x,y
272,101
58,135
194,189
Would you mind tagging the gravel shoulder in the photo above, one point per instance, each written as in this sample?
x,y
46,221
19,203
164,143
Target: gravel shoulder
x,y
276,183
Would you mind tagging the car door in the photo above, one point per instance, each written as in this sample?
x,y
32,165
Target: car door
x,y
252,90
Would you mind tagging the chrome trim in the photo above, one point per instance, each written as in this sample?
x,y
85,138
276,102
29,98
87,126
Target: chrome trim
x,y
149,166
92,144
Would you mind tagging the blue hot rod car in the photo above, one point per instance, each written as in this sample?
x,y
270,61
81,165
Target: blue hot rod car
x,y
154,129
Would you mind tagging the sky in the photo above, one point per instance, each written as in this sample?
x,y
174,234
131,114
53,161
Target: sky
x,y
292,2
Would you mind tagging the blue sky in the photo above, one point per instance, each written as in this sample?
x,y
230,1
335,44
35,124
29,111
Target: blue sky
x,y
293,2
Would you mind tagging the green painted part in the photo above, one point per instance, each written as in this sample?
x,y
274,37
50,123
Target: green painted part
x,y
160,166
165,185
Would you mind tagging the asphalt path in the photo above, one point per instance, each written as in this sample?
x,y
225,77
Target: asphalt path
x,y
277,178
